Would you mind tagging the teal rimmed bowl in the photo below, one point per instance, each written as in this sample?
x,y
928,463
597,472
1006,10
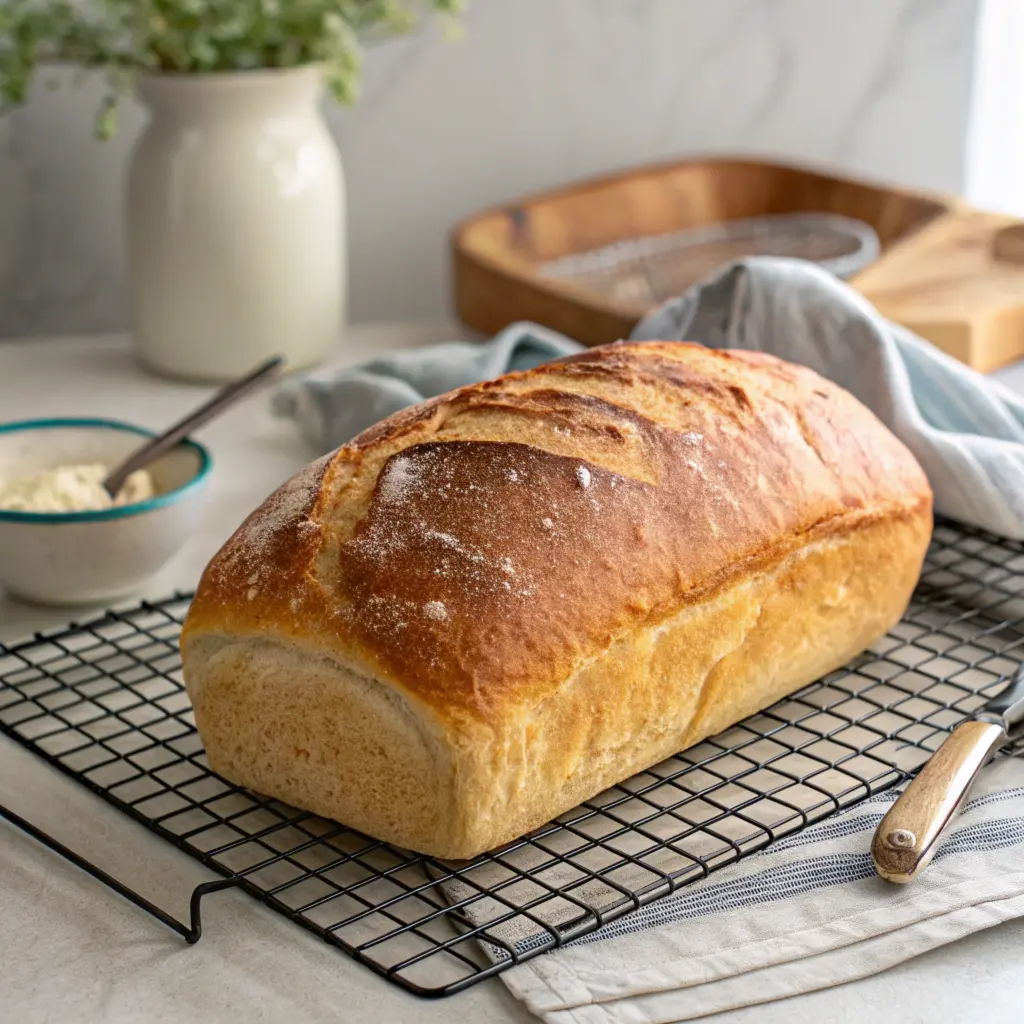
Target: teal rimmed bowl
x,y
71,558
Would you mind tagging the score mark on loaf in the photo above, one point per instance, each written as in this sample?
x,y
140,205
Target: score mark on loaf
x,y
495,605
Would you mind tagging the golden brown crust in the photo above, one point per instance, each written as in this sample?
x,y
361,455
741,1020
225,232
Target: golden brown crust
x,y
474,551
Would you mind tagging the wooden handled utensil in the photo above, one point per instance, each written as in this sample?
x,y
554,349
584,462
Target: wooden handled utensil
x,y
908,836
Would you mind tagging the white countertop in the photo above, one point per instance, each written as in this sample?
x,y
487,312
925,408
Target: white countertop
x,y
70,950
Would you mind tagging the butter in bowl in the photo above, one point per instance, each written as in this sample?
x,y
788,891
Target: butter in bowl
x,y
63,539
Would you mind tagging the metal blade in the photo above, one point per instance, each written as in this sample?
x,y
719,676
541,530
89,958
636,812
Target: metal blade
x,y
1009,705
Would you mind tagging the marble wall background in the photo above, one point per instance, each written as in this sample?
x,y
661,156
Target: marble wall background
x,y
540,92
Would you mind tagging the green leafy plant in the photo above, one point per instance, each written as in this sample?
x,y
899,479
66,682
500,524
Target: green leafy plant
x,y
122,38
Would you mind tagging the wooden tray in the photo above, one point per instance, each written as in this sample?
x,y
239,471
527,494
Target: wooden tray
x,y
500,254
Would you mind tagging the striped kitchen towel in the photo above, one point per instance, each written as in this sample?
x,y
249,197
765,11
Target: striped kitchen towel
x,y
806,913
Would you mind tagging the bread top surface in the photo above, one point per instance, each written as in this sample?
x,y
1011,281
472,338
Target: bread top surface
x,y
474,551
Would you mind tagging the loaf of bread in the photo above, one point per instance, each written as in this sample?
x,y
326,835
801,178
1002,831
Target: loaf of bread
x,y
495,605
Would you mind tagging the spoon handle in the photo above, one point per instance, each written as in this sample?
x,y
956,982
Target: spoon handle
x,y
165,441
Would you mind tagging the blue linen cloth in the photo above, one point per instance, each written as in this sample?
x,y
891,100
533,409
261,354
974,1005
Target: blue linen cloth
x,y
966,430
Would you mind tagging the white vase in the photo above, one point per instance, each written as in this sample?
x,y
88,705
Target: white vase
x,y
236,223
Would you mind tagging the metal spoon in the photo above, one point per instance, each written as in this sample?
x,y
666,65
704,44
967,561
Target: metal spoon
x,y
227,396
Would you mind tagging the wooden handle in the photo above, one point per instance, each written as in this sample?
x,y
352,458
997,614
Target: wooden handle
x,y
908,835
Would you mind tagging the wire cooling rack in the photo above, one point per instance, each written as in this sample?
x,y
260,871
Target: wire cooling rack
x,y
105,704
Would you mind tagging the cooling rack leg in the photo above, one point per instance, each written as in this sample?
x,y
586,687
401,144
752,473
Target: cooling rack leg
x,y
191,932
196,929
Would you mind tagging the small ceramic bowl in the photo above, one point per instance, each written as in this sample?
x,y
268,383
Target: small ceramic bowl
x,y
74,558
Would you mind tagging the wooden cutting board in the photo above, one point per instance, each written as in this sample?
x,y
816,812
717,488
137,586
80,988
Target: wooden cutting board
x,y
959,282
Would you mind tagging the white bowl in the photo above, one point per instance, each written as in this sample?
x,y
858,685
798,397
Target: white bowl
x,y
70,558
